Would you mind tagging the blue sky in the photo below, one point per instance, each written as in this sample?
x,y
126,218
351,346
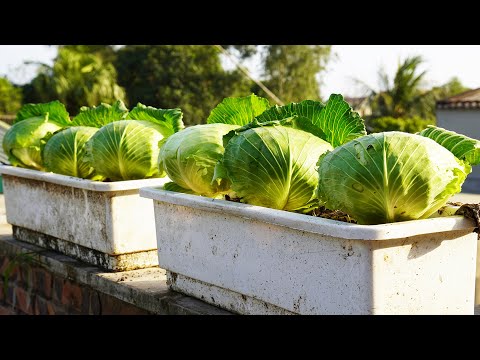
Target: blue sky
x,y
351,61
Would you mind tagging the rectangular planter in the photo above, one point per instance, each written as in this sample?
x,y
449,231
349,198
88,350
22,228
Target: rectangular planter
x,y
255,260
105,224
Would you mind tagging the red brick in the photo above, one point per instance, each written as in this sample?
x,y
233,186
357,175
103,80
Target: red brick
x,y
10,298
95,305
40,306
43,282
23,301
57,288
50,308
4,261
14,273
26,276
113,306
6,310
72,295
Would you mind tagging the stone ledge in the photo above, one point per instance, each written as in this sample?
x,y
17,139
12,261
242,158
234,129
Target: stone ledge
x,y
144,288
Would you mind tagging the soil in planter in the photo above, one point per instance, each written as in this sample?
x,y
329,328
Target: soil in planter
x,y
471,211
318,212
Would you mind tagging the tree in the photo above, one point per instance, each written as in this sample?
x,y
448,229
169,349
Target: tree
x,y
10,97
292,72
411,125
76,79
402,96
106,52
244,51
190,77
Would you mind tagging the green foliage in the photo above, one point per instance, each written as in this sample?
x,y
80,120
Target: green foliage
x,y
334,122
238,111
169,120
54,110
400,97
25,259
403,96
292,71
77,79
244,51
10,97
106,52
100,115
387,123
189,77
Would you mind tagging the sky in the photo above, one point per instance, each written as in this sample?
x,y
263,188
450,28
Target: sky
x,y
362,62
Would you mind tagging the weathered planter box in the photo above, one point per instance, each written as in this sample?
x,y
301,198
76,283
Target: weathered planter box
x,y
255,260
104,224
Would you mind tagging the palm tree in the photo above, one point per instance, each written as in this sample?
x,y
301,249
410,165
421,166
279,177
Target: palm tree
x,y
403,96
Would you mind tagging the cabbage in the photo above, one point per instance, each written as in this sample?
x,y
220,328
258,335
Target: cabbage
x,y
169,120
388,177
127,144
24,141
273,165
334,122
34,124
238,110
56,111
189,158
125,150
64,152
100,115
463,147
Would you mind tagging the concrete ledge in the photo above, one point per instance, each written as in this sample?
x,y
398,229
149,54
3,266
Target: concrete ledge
x,y
143,288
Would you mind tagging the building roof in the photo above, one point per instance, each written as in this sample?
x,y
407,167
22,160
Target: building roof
x,y
467,100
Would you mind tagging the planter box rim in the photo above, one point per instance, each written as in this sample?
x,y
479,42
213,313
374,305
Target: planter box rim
x,y
79,182
313,224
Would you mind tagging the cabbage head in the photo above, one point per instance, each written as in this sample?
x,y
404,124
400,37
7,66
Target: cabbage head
x,y
24,141
125,150
273,165
189,158
64,152
34,124
389,177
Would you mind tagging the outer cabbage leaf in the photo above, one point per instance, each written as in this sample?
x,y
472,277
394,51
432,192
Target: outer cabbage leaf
x,y
335,122
189,158
125,150
169,120
463,147
388,177
238,110
55,109
24,141
171,186
100,115
65,150
273,165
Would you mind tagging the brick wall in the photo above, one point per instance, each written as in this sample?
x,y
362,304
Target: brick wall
x,y
31,289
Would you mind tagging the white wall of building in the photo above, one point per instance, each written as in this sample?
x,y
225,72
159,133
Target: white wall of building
x,y
466,122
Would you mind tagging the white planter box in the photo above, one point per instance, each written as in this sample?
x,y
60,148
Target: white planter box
x,y
105,224
255,260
